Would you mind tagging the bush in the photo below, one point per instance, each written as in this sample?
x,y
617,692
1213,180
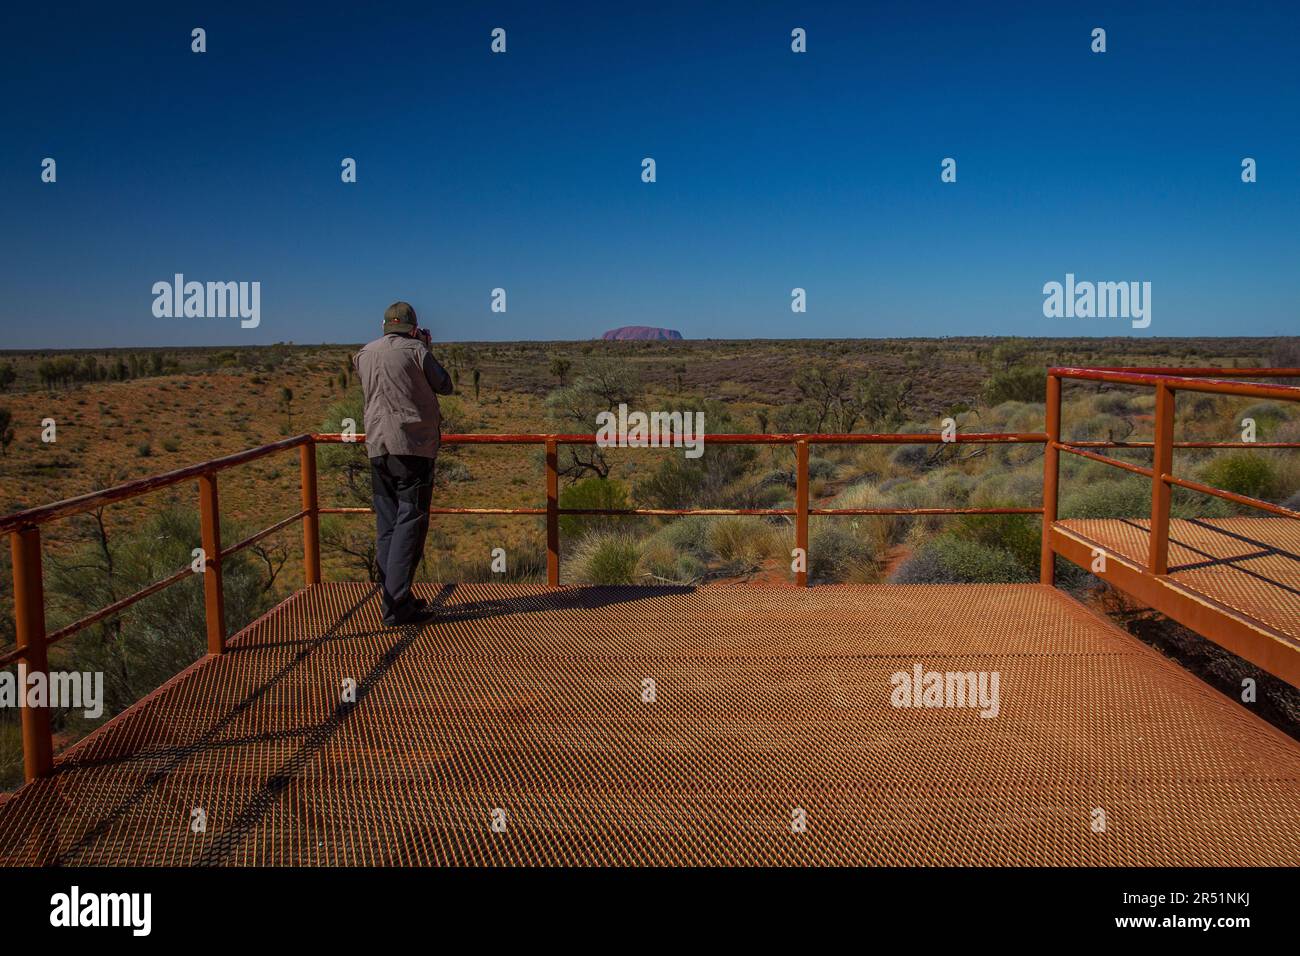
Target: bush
x,y
604,557
155,638
914,458
525,564
837,554
689,534
1125,498
591,493
454,417
709,481
1267,415
882,531
1019,535
948,559
661,563
1020,384
742,542
1113,403
820,468
1246,473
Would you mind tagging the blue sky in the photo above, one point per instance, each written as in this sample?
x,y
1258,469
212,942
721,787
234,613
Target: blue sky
x,y
522,170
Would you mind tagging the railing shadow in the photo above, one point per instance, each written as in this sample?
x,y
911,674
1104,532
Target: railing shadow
x,y
1259,549
314,737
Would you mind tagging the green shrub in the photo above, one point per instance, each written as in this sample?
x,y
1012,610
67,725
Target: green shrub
x,y
1267,415
948,559
705,482
1020,535
604,557
689,534
661,563
155,638
1246,473
837,554
1122,498
742,542
591,493
1020,384
820,468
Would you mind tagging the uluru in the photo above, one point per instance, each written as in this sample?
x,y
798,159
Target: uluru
x,y
642,333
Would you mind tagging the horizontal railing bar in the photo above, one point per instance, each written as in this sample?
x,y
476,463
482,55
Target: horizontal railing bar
x,y
790,438
1191,371
1184,444
132,489
1231,496
265,532
117,606
686,512
1286,393
832,512
674,512
441,511
1093,456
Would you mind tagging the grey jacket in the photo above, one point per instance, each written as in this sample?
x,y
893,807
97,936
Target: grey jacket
x,y
401,382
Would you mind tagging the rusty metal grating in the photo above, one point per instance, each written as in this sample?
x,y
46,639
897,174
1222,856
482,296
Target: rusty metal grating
x,y
1249,564
530,700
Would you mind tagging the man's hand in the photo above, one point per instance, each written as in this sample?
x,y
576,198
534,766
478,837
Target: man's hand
x,y
426,337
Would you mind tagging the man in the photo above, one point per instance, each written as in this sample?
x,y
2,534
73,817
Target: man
x,y
401,382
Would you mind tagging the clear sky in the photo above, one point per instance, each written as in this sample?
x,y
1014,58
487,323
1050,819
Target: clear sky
x,y
523,171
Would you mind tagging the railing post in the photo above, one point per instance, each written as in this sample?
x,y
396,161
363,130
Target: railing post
x,y
801,509
1051,479
29,618
311,517
210,528
1162,464
552,514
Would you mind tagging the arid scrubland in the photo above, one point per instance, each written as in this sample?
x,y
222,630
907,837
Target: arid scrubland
x,y
125,414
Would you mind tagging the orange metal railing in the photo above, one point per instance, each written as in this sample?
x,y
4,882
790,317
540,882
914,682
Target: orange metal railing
x,y
24,526
1166,382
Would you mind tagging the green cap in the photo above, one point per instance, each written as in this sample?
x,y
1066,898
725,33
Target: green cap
x,y
400,317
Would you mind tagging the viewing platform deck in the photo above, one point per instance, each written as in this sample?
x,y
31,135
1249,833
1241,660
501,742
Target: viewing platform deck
x,y
530,707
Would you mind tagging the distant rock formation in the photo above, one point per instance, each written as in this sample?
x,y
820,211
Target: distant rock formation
x,y
642,333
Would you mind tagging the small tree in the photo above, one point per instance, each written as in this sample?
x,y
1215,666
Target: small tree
x,y
560,368
286,397
604,384
476,379
7,376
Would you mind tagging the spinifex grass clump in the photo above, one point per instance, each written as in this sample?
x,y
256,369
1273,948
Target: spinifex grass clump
x,y
603,557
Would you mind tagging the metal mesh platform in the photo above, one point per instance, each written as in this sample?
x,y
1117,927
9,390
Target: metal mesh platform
x,y
766,702
1249,564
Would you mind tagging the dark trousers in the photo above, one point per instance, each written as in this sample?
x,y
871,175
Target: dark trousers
x,y
403,489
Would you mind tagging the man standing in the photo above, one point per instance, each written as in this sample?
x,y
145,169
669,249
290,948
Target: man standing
x,y
401,382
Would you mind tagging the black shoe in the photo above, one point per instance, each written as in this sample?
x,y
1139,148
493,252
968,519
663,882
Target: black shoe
x,y
419,614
